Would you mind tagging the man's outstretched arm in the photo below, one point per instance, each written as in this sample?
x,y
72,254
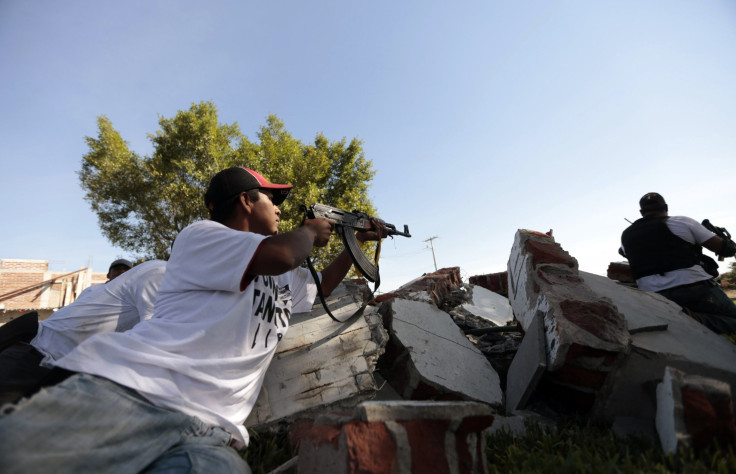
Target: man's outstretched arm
x,y
284,252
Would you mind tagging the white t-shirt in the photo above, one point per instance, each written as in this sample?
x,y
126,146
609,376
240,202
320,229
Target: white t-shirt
x,y
690,231
117,305
206,350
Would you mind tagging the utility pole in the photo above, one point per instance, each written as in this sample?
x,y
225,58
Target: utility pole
x,y
432,247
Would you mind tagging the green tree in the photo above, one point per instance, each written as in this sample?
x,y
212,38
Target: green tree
x,y
142,203
728,280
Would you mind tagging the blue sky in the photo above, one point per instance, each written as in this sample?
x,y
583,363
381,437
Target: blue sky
x,y
480,117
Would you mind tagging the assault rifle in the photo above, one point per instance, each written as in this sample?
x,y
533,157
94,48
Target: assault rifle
x,y
728,249
346,223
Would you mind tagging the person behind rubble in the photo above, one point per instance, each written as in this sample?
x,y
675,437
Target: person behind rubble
x,y
117,305
118,267
665,256
174,391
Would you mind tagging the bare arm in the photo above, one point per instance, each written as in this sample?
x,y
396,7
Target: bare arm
x,y
713,244
284,252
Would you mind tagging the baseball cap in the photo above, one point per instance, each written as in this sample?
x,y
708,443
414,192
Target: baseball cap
x,y
121,261
232,181
652,202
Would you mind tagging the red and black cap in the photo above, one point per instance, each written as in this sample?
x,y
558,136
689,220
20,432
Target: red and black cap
x,y
652,202
232,181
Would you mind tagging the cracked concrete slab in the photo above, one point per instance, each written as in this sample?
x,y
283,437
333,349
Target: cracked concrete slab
x,y
428,357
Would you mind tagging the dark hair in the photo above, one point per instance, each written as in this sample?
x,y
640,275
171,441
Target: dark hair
x,y
225,210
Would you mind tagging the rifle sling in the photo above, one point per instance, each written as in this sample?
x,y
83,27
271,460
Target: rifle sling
x,y
353,258
322,296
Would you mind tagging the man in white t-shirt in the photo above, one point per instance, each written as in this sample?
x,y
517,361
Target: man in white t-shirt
x,y
117,268
183,382
117,305
665,255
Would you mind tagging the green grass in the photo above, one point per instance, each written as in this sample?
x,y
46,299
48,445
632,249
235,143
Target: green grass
x,y
266,452
580,447
576,447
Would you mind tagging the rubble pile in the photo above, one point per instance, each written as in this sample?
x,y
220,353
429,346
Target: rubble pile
x,y
449,360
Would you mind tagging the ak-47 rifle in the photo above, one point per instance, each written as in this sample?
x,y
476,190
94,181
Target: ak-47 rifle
x,y
346,223
728,248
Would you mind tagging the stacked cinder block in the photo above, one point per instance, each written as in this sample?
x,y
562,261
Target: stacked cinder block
x,y
495,282
405,437
431,287
585,334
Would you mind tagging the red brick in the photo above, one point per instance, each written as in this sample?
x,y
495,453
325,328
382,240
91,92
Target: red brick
x,y
427,441
496,282
708,418
600,319
549,253
371,448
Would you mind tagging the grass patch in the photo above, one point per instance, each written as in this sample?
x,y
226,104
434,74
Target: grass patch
x,y
267,451
581,447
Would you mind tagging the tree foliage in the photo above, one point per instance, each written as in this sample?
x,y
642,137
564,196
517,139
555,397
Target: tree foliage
x,y
728,280
142,203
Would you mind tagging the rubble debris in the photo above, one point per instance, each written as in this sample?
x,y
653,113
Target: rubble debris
x,y
527,367
620,271
428,357
495,282
571,342
694,411
407,437
585,334
662,336
444,288
484,309
320,364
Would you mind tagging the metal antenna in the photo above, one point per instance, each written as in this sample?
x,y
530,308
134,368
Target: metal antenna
x,y
432,247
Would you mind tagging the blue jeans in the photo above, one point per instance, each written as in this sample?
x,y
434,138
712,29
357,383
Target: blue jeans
x,y
90,424
710,304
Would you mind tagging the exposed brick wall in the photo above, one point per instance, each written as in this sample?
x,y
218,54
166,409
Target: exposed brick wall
x,y
407,437
496,282
16,274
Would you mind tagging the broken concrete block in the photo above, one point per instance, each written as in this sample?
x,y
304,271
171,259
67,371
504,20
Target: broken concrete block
x,y
662,336
402,437
693,411
585,335
528,366
444,288
489,306
321,364
620,271
543,278
428,357
495,282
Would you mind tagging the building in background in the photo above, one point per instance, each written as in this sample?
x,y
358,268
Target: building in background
x,y
28,285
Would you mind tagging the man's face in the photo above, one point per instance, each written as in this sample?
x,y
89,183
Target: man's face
x,y
265,216
116,271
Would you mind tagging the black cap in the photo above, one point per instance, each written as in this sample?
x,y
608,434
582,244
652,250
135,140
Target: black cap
x,y
121,261
652,202
232,181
